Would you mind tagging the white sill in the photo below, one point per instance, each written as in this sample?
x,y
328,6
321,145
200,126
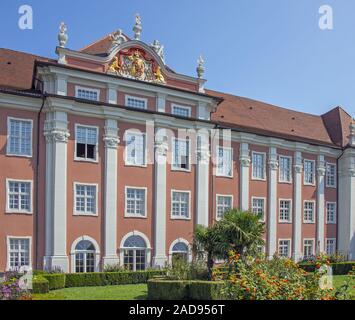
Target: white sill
x,y
9,211
224,176
83,214
309,184
130,216
285,222
331,187
180,170
309,222
331,223
19,155
285,182
135,165
85,160
258,179
180,218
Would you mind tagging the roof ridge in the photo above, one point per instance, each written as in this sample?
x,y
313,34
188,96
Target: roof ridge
x,y
26,53
267,103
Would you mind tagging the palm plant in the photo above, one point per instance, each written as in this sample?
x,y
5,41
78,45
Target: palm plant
x,y
241,231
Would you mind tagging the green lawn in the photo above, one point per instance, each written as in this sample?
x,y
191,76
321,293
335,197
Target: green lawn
x,y
126,292
340,280
123,292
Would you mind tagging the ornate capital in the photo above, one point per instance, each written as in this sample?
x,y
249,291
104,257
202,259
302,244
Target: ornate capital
x,y
352,172
245,161
298,168
321,171
273,164
161,146
56,131
203,154
111,141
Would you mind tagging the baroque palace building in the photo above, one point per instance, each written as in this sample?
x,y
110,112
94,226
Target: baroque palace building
x,y
108,156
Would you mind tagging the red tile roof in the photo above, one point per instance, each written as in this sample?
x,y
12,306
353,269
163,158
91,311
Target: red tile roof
x,y
332,128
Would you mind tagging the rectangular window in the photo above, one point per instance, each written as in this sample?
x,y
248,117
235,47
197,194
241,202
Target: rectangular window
x,y
18,253
309,172
87,93
284,248
258,207
137,103
285,211
135,149
258,166
181,154
308,212
180,205
136,202
224,204
85,199
285,172
19,196
330,246
224,162
86,143
331,212
19,141
181,111
308,248
331,175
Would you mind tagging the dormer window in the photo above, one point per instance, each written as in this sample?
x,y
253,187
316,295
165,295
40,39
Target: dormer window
x,y
87,93
137,103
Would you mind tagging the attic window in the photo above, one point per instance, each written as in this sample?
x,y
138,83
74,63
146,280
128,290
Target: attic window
x,y
87,93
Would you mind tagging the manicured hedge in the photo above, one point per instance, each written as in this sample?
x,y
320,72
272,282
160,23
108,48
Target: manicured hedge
x,y
109,278
205,290
182,290
40,285
339,268
56,281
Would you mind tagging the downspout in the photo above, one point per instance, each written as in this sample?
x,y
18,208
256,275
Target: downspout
x,y
337,215
36,216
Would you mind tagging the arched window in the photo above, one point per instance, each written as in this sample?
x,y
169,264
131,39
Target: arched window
x,y
85,256
180,251
135,253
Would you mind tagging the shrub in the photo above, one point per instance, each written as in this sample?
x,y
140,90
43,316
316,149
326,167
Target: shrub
x,y
56,281
109,278
276,279
114,268
205,290
339,268
184,289
182,270
11,286
167,290
40,285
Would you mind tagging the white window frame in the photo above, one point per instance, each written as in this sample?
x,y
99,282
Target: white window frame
x,y
265,206
172,217
175,168
313,247
8,238
335,175
231,162
174,105
314,212
127,163
226,196
14,211
97,91
130,215
81,213
8,153
145,100
313,174
335,245
291,211
335,212
291,177
264,167
96,160
289,247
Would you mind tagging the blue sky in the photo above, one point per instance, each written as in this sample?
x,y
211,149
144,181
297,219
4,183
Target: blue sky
x,y
273,50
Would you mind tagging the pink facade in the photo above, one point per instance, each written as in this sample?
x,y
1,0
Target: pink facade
x,y
98,195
